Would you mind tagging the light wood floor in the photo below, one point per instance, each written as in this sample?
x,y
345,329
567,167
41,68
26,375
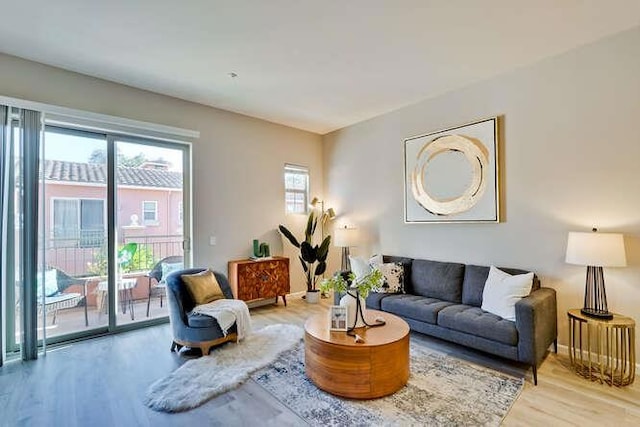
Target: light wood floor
x,y
101,382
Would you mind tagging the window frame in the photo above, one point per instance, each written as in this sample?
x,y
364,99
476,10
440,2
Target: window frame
x,y
154,221
296,170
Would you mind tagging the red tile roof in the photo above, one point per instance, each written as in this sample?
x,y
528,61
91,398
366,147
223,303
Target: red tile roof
x,y
95,173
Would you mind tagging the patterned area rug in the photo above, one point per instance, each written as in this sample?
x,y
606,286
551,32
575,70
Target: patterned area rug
x,y
442,391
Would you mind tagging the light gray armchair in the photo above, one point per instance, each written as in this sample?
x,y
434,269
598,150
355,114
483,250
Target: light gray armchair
x,y
192,329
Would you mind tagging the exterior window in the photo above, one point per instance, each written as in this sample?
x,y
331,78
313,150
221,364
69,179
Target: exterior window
x,y
150,212
78,223
180,213
296,189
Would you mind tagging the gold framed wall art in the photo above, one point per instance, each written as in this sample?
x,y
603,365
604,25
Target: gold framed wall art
x,y
452,175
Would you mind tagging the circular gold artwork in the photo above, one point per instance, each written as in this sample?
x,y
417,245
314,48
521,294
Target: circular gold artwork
x,y
475,153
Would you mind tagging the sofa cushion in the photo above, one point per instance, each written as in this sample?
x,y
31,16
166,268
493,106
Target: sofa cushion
x,y
475,321
198,320
414,307
441,280
374,299
475,277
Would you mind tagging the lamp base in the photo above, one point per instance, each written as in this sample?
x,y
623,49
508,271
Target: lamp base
x,y
595,295
600,314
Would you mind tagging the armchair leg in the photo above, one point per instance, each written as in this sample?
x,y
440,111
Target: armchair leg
x,y
534,368
555,346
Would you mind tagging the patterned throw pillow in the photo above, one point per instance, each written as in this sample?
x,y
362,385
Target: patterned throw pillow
x,y
393,274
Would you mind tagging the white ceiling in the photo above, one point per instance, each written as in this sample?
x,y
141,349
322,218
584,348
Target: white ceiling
x,y
315,65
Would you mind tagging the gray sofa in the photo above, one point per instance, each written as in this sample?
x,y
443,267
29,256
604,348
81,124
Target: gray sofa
x,y
443,299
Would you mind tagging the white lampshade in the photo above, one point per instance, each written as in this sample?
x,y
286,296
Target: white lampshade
x,y
596,249
345,237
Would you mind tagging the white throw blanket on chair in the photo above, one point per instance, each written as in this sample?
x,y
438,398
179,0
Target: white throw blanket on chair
x,y
226,312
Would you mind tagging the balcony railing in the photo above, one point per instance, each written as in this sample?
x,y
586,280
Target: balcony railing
x,y
76,259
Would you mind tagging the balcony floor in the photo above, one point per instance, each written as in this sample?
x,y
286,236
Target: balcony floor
x,y
72,319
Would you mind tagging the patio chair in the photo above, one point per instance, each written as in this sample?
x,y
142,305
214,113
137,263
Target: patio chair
x,y
157,280
56,282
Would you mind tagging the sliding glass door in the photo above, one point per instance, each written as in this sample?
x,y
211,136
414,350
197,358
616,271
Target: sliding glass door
x,y
150,194
113,215
73,241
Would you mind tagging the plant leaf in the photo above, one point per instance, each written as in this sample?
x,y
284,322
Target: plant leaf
x,y
310,227
304,264
308,253
321,268
289,236
323,250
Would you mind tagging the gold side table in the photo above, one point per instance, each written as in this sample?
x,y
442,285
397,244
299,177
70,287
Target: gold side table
x,y
602,350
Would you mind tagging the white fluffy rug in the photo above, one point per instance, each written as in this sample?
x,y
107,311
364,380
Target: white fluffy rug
x,y
201,379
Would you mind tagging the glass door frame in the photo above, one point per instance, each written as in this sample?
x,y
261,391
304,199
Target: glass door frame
x,y
111,140
12,346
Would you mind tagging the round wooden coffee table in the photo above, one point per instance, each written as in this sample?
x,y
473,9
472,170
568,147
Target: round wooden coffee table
x,y
337,364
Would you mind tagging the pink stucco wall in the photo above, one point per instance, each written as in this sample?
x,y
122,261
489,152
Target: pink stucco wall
x,y
74,260
129,203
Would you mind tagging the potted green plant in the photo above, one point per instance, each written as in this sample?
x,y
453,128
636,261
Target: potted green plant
x,y
312,257
342,282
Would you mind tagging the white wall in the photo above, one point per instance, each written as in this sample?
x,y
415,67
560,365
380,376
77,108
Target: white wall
x,y
571,153
238,192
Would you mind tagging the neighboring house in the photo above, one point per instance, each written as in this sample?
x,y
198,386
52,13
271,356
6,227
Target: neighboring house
x,y
149,209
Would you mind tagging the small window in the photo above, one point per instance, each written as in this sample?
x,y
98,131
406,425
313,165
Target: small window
x,y
150,212
296,189
78,223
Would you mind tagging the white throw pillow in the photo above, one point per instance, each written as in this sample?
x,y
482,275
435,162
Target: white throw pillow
x,y
375,260
502,291
359,266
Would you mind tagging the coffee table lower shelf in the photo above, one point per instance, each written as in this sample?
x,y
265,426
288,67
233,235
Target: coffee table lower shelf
x,y
376,368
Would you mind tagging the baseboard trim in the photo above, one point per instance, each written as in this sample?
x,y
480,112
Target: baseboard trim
x,y
564,350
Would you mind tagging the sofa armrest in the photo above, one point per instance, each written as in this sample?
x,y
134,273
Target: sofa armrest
x,y
537,324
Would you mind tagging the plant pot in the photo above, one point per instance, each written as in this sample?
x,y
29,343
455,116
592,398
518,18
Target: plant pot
x,y
313,297
349,301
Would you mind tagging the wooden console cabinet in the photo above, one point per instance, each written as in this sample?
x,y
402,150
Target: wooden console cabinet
x,y
255,280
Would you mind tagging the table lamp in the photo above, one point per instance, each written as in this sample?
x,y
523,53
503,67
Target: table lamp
x,y
345,237
596,250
